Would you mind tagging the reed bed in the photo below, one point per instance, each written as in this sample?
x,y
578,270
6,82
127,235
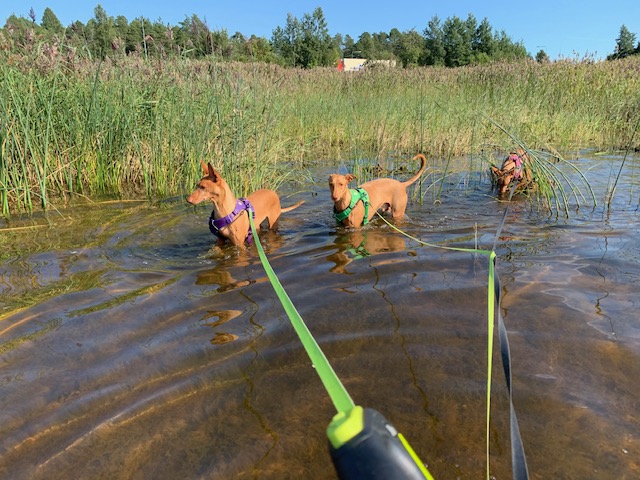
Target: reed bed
x,y
130,128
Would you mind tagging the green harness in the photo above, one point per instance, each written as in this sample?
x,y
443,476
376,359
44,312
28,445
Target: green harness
x,y
357,194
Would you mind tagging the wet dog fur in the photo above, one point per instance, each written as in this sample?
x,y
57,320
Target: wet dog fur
x,y
514,168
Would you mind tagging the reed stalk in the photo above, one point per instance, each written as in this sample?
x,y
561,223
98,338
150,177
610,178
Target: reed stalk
x,y
131,127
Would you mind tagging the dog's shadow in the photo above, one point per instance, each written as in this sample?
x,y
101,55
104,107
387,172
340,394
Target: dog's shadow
x,y
357,244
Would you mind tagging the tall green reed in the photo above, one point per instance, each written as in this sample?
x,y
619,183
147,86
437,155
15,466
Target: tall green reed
x,y
130,127
27,139
115,134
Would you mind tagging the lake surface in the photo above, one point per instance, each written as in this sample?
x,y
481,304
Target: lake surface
x,y
130,350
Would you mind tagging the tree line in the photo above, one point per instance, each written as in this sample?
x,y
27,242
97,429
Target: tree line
x,y
302,42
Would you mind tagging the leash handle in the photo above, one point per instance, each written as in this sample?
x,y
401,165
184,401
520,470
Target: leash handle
x,y
363,444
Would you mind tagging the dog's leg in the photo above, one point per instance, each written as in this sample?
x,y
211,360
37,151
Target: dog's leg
x,y
399,206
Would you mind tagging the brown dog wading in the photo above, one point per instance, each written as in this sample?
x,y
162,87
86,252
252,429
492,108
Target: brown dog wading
x,y
229,219
355,207
513,169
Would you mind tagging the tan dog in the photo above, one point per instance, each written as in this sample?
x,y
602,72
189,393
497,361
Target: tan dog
x,y
513,168
229,220
355,207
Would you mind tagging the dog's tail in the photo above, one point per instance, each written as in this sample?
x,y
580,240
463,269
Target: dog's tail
x,y
423,167
292,207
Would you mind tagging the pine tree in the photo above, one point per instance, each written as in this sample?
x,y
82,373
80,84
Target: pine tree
x,y
104,32
410,48
625,44
50,22
435,51
542,57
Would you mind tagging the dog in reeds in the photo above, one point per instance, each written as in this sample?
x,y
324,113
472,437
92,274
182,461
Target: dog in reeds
x,y
514,168
355,207
229,219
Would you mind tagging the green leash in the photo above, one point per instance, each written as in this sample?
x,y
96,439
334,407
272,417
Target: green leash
x,y
339,396
361,442
518,458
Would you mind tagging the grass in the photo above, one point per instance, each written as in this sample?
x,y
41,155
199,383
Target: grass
x,y
133,128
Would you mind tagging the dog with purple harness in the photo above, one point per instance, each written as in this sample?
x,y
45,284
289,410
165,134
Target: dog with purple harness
x,y
229,219
241,205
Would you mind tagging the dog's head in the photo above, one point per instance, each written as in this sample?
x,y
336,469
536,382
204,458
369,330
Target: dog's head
x,y
512,169
339,184
210,187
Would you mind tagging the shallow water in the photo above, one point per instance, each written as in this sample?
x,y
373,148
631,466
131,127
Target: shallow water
x,y
129,350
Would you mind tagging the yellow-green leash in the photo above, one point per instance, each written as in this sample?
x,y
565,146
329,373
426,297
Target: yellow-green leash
x,y
361,442
518,458
490,315
339,396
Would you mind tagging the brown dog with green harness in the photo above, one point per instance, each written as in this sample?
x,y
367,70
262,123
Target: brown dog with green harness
x,y
355,207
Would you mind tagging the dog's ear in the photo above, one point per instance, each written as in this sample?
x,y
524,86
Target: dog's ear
x,y
204,167
211,172
350,177
496,171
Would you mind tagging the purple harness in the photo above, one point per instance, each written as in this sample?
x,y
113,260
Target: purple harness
x,y
241,205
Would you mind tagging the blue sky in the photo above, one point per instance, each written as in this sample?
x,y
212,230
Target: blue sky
x,y
560,28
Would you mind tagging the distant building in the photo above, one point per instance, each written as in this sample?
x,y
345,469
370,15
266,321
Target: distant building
x,y
351,64
382,63
356,64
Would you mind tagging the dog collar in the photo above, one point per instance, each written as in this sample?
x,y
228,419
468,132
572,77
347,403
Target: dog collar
x,y
242,204
357,194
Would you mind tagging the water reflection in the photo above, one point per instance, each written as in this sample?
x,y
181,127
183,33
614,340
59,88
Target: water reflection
x,y
130,348
221,277
358,244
